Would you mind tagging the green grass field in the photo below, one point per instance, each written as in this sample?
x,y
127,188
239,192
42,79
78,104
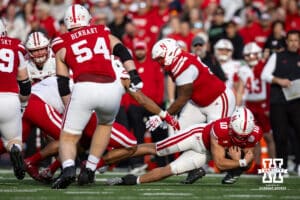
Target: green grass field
x,y
248,187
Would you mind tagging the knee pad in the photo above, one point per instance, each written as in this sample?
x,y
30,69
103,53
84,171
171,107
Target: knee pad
x,y
189,160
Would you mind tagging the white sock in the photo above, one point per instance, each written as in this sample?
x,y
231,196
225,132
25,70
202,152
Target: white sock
x,y
138,180
68,163
92,162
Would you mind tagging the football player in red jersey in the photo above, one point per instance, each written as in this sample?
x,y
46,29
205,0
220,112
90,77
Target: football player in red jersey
x,y
201,96
234,135
14,86
86,50
193,79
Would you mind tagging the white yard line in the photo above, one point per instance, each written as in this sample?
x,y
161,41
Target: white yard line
x,y
167,194
252,196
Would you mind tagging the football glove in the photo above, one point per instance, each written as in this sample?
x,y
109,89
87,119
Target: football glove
x,y
156,120
153,122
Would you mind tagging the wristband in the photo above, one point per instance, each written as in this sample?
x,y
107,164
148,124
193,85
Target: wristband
x,y
242,163
162,114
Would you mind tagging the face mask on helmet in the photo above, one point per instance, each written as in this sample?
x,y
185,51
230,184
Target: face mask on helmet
x,y
165,51
241,125
76,16
252,53
223,55
37,46
223,50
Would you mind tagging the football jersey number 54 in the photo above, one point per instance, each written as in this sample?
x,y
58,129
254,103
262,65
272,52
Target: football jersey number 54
x,y
84,53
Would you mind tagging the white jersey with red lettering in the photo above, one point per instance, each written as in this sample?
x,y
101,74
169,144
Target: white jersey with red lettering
x,y
255,86
230,68
48,69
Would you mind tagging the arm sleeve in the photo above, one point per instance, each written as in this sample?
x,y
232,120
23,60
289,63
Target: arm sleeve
x,y
267,73
22,63
187,76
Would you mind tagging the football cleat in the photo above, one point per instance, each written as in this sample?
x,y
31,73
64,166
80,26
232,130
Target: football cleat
x,y
17,162
114,181
86,176
129,179
230,179
67,177
194,175
103,169
140,170
232,176
32,170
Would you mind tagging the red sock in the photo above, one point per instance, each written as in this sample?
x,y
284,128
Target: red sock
x,y
101,163
2,148
54,166
35,158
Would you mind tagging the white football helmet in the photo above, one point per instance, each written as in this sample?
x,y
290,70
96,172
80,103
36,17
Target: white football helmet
x,y
3,31
252,53
165,51
37,45
221,45
241,124
77,16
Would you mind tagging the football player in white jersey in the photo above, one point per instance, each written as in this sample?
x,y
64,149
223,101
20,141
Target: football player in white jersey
x,y
40,61
40,64
253,93
223,53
